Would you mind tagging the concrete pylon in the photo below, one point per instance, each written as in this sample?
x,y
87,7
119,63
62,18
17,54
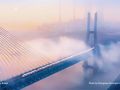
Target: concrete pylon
x,y
90,66
92,37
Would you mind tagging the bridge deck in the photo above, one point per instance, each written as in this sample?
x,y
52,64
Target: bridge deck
x,y
16,59
37,74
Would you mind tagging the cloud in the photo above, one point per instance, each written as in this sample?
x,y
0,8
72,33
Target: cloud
x,y
63,46
73,78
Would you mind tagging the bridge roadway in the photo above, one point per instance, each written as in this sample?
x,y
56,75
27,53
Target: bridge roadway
x,y
28,78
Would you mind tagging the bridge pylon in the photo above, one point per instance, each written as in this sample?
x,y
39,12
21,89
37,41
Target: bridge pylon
x,y
92,37
91,66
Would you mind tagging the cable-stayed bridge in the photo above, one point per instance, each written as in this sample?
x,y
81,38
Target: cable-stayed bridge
x,y
28,69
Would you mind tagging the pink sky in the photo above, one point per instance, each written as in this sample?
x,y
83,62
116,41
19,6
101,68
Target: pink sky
x,y
29,15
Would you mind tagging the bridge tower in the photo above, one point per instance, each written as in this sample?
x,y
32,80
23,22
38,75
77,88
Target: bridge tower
x,y
91,66
91,37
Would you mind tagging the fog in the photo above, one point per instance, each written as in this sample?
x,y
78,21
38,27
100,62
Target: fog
x,y
78,77
56,44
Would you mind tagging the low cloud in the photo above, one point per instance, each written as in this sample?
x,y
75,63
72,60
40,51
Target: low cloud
x,y
74,78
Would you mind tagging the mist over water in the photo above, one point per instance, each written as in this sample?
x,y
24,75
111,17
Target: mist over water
x,y
61,47
77,77
59,42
